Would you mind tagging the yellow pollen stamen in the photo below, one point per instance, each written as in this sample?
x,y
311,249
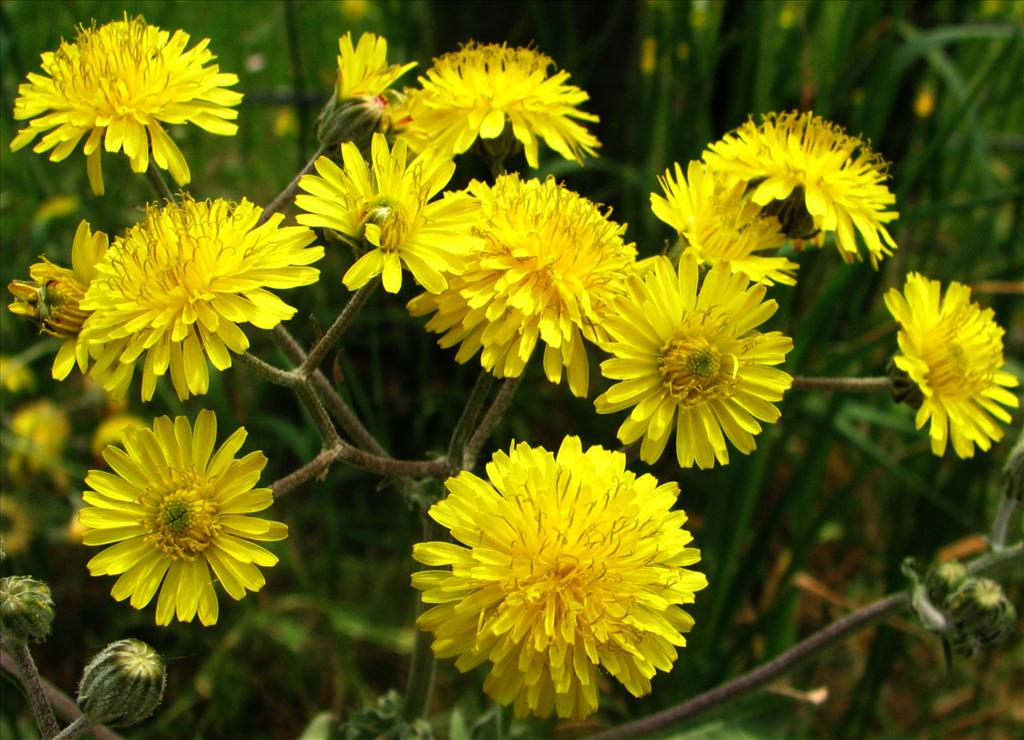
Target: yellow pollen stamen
x,y
693,370
186,520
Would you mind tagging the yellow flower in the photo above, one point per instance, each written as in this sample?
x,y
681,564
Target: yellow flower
x,y
691,359
15,376
564,564
953,351
363,70
814,177
40,430
482,88
54,297
175,509
176,287
118,83
718,224
388,206
551,266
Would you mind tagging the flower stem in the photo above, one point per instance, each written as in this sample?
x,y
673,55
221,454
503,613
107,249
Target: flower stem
x,y
856,385
30,679
76,728
311,401
61,702
340,410
421,668
489,421
285,195
328,340
159,185
468,420
807,648
275,375
383,466
1008,506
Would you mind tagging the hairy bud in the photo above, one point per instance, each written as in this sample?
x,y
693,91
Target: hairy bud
x,y
944,579
980,616
26,608
123,684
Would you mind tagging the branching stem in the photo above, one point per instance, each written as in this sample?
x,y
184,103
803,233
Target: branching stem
x,y
787,661
28,674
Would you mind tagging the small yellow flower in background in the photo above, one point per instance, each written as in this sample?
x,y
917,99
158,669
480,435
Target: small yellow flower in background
x,y
550,268
175,288
388,205
40,430
16,525
176,509
363,69
111,431
953,351
15,376
117,83
719,225
54,297
482,88
564,563
814,177
690,359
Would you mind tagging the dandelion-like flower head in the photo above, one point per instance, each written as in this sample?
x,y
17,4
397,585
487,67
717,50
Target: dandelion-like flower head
x,y
388,206
363,69
118,83
800,166
176,287
482,88
176,509
719,225
689,358
562,564
551,265
953,351
54,297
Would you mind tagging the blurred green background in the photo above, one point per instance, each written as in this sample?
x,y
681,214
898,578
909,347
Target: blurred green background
x,y
815,523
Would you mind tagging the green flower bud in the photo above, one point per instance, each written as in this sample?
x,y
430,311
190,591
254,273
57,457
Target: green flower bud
x,y
944,579
353,119
26,608
123,684
980,616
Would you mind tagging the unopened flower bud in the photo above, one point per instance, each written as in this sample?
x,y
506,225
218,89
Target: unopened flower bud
x,y
980,616
123,684
353,119
26,608
944,579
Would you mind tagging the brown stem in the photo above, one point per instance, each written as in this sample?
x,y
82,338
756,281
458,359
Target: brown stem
x,y
285,195
336,405
489,421
383,466
344,320
857,385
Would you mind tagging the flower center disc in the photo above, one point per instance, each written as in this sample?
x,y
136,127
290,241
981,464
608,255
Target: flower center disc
x,y
691,369
185,521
